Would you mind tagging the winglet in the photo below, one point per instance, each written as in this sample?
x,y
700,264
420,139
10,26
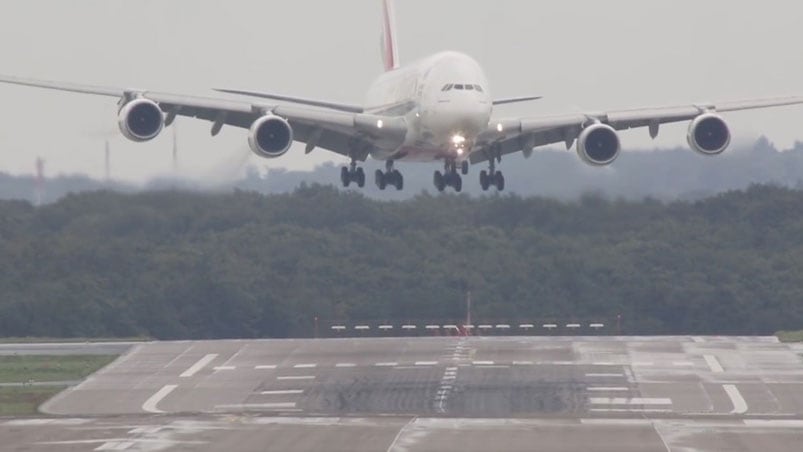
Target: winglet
x,y
390,51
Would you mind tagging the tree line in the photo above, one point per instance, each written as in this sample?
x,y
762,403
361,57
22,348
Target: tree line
x,y
173,264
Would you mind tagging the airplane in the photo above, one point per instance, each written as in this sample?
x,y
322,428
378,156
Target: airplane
x,y
438,109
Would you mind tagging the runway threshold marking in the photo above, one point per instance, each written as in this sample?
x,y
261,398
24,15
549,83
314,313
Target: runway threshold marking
x,y
116,445
195,368
739,404
714,364
150,405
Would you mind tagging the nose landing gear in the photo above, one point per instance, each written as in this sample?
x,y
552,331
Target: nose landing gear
x,y
449,177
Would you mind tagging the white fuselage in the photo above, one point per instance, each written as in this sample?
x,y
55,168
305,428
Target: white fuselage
x,y
445,100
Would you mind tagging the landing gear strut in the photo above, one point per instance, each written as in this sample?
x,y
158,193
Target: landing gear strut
x,y
389,177
492,177
449,178
352,173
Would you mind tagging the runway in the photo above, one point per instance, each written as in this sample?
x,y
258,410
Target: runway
x,y
417,394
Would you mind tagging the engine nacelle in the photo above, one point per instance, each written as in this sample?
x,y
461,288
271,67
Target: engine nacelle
x,y
598,145
141,120
270,136
709,134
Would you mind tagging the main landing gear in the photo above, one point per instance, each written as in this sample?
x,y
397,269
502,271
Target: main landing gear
x,y
389,177
450,177
352,173
492,177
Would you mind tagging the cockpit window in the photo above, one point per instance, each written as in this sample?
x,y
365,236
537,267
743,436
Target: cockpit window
x,y
470,87
478,88
447,87
463,87
458,87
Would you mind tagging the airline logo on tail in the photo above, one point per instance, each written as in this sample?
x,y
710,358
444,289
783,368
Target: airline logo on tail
x,y
390,53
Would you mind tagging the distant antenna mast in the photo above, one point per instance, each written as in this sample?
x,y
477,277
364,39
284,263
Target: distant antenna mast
x,y
108,162
39,193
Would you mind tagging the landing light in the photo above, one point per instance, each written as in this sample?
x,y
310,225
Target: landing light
x,y
380,124
458,140
500,128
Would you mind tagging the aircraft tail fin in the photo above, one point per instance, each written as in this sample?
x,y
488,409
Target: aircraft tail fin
x,y
390,50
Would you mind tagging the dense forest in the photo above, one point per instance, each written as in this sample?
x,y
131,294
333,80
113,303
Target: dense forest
x,y
173,264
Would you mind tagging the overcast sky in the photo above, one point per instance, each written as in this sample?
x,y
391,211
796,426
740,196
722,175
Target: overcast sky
x,y
587,55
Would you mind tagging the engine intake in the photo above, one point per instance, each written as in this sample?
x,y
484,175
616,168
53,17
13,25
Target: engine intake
x,y
709,134
270,136
141,120
598,145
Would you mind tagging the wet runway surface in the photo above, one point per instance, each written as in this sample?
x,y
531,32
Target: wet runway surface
x,y
518,393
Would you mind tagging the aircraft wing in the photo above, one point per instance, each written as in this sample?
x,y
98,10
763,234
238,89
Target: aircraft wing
x,y
345,133
507,136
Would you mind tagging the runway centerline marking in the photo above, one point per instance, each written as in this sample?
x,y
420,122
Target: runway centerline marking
x,y
629,401
296,377
483,363
714,364
305,366
150,405
739,404
608,389
604,375
195,368
426,363
283,392
270,406
224,368
265,367
345,365
386,364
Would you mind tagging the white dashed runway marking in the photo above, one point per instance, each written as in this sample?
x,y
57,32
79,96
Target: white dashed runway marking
x,y
283,392
296,377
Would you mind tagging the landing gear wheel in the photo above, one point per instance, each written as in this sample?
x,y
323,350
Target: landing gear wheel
x,y
485,181
464,167
397,180
359,177
345,176
457,182
439,181
380,179
499,181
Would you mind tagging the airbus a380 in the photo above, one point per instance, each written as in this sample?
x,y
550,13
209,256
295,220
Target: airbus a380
x,y
437,109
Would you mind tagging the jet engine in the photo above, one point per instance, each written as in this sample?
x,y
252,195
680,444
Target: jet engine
x,y
598,145
709,134
270,136
141,120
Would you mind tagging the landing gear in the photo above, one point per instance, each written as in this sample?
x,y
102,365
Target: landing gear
x,y
389,177
352,173
449,178
492,177
464,167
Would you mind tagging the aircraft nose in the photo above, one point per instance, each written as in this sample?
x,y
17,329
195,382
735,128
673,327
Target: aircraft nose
x,y
468,118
